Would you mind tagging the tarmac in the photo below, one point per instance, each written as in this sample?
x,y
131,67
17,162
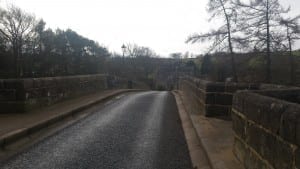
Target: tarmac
x,y
210,140
139,130
16,126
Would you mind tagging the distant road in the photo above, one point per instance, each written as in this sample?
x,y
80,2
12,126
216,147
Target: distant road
x,y
136,131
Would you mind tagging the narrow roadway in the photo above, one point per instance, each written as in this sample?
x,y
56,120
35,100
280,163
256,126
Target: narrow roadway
x,y
136,131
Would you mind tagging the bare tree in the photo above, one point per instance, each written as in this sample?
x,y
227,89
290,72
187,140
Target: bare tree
x,y
176,55
292,33
225,9
259,22
133,50
17,27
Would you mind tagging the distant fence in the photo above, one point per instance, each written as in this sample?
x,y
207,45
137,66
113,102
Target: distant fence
x,y
21,95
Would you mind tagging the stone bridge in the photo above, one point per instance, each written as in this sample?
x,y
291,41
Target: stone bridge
x,y
22,95
265,119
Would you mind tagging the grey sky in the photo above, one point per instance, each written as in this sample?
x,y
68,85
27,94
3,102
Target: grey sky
x,y
162,25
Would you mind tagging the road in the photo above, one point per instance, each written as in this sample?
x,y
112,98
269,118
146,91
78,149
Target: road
x,y
137,131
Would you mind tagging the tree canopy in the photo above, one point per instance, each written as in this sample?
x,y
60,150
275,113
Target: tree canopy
x,y
37,51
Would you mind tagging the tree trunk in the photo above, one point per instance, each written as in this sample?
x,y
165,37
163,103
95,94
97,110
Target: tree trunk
x,y
268,59
234,73
292,71
21,59
16,58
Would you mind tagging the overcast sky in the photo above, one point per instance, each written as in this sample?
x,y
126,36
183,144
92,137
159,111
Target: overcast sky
x,y
162,25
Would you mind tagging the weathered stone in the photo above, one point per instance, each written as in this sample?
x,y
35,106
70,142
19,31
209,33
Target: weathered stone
x,y
201,84
7,95
297,158
214,110
200,94
252,161
264,110
298,131
239,125
288,95
255,138
223,99
238,101
288,125
252,107
231,87
2,84
240,150
215,87
254,86
282,154
273,128
27,83
271,114
45,91
13,84
209,98
12,107
276,152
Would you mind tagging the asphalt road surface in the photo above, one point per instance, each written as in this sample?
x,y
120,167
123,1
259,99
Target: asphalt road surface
x,y
136,131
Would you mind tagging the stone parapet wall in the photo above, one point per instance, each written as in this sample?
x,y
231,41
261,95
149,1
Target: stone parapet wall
x,y
212,98
21,95
194,95
267,128
114,82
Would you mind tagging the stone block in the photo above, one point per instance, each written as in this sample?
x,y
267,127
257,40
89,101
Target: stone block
x,y
28,83
13,84
210,98
239,125
201,84
289,95
36,92
12,107
298,131
49,82
200,94
214,110
254,86
281,154
271,114
223,99
290,124
252,161
255,138
265,111
240,150
276,152
238,101
37,83
233,87
230,87
297,158
7,95
215,87
252,107
2,84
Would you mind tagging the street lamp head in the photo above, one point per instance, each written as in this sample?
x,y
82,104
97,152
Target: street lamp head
x,y
123,49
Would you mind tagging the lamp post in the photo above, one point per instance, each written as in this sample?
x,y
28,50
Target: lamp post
x,y
123,49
